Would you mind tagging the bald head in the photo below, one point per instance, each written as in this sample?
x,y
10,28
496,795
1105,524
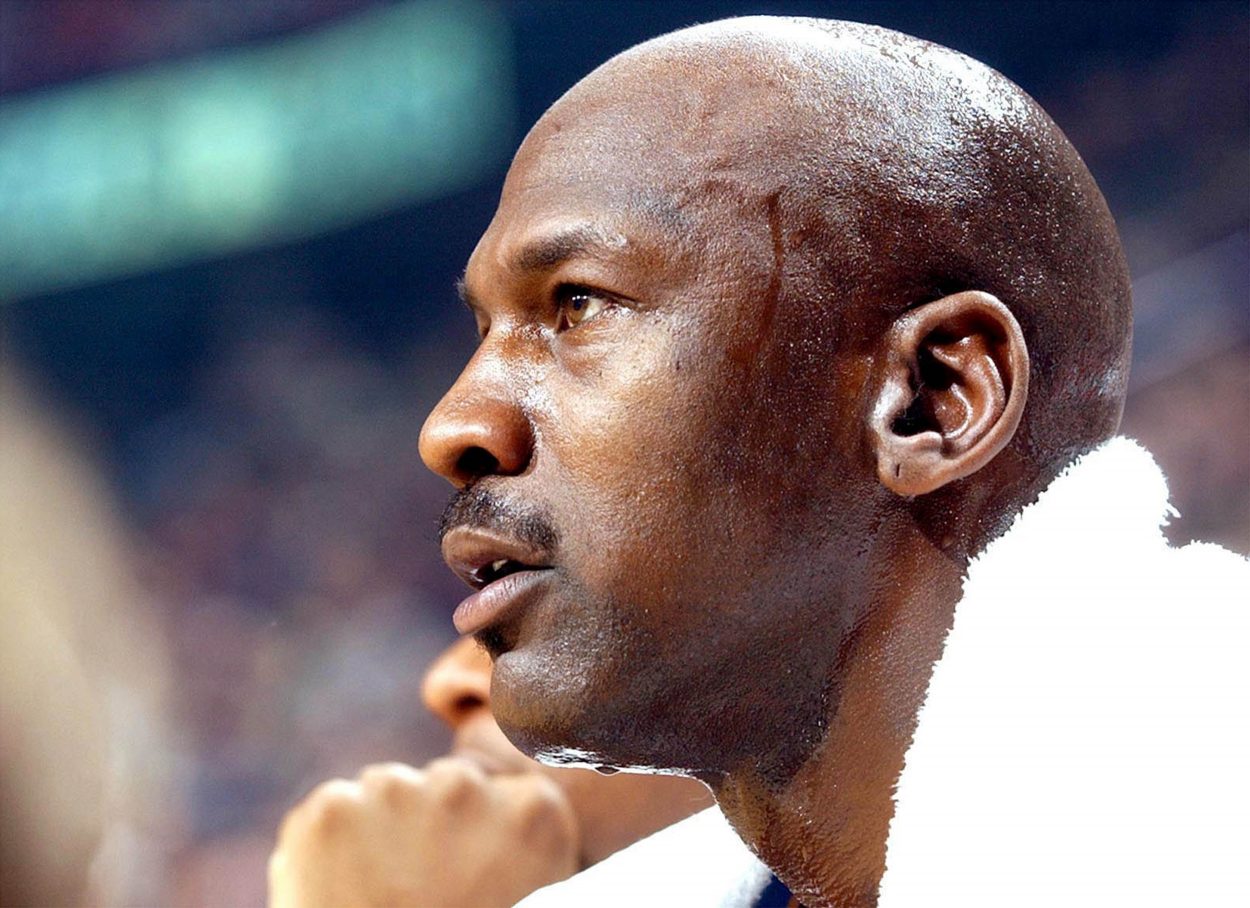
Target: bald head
x,y
876,172
777,316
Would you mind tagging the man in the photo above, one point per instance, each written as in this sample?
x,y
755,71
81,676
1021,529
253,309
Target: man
x,y
483,827
784,322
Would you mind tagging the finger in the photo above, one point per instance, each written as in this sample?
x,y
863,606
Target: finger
x,y
381,774
327,808
458,785
397,786
538,807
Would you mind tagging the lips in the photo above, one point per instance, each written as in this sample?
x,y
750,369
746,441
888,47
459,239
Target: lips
x,y
504,571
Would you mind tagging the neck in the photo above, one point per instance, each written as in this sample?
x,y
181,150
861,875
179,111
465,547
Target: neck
x,y
824,833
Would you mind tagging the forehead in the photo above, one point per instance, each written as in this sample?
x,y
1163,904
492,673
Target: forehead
x,y
617,171
663,123
560,202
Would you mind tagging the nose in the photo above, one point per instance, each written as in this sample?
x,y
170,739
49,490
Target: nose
x,y
457,686
478,429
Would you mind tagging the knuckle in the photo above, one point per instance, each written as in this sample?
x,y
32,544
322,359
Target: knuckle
x,y
396,785
456,783
539,793
379,775
331,807
542,810
333,793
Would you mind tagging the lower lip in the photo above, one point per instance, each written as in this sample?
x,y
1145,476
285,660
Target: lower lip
x,y
487,605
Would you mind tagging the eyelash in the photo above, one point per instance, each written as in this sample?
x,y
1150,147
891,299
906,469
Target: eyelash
x,y
565,294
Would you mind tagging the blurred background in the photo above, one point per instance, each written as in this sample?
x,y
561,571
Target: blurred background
x,y
229,231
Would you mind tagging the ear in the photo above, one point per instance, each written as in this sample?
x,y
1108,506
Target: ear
x,y
950,390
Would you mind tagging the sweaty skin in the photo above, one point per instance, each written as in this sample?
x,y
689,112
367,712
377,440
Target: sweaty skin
x,y
781,321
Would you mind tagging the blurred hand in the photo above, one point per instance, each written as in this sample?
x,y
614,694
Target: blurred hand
x,y
445,836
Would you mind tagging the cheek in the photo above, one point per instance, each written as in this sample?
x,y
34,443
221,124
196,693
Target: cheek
x,y
644,454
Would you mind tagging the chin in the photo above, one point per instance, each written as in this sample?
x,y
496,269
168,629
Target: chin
x,y
564,670
591,714
541,708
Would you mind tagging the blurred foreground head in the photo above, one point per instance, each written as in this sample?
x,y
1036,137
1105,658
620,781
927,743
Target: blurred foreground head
x,y
77,641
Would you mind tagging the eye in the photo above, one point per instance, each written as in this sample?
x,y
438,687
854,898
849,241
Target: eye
x,y
576,305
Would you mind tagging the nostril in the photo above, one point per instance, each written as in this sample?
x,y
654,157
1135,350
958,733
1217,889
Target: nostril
x,y
475,463
467,704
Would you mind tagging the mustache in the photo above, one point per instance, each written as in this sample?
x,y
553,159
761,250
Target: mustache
x,y
479,507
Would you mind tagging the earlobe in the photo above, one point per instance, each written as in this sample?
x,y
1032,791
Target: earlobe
x,y
952,380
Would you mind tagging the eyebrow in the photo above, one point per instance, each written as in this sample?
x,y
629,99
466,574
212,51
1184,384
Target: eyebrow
x,y
547,252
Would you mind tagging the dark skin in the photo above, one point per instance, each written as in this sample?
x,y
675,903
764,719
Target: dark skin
x,y
777,331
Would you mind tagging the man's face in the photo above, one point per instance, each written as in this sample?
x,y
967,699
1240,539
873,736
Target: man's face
x,y
648,396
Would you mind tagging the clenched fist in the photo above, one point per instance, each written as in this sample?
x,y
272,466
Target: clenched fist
x,y
445,836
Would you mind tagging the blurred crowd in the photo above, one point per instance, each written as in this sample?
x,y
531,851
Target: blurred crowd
x,y
283,546
263,614
288,606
